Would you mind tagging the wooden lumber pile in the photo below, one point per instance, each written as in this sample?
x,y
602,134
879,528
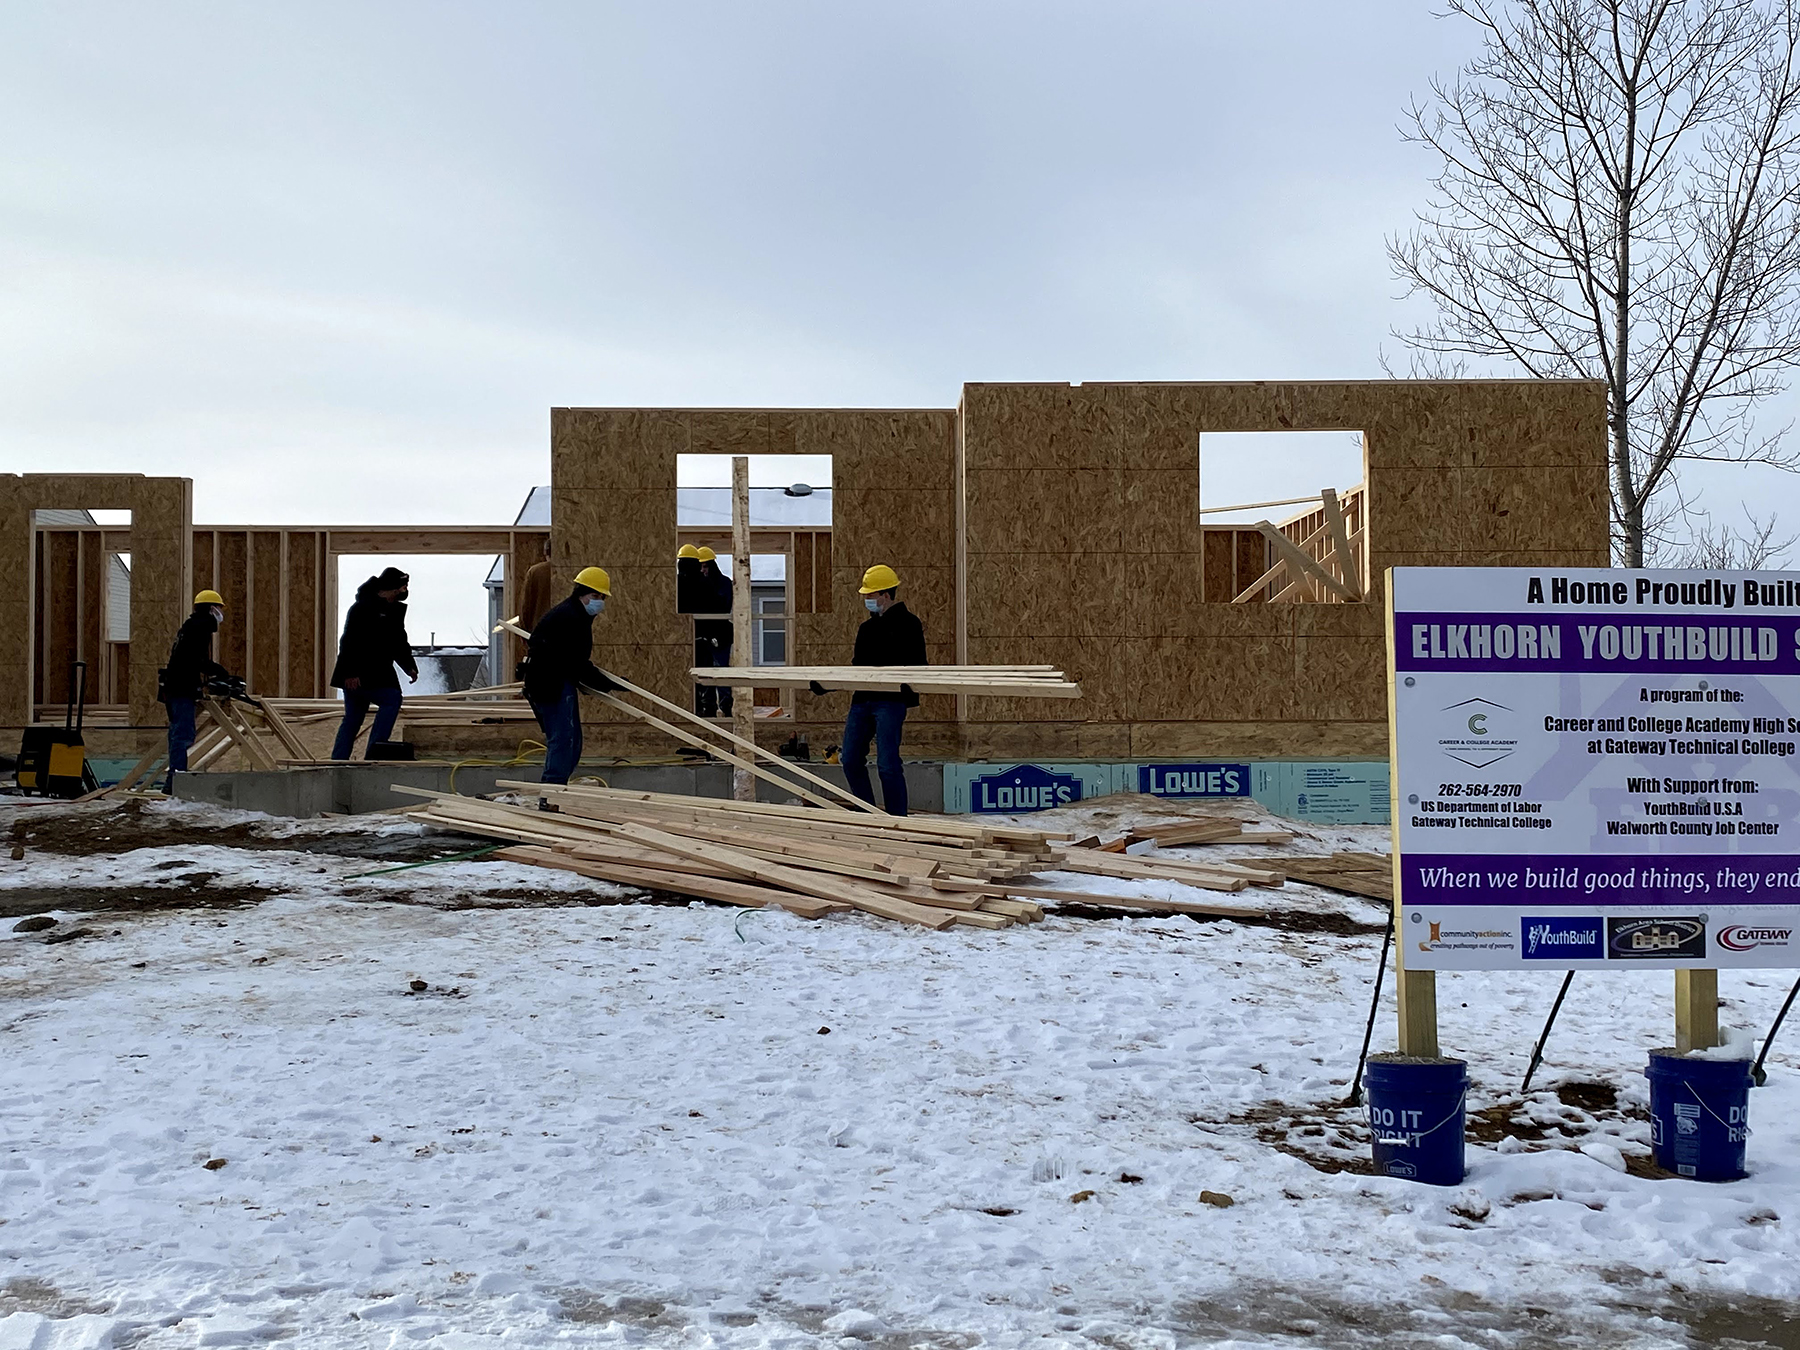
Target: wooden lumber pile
x,y
1202,830
1366,874
927,870
993,681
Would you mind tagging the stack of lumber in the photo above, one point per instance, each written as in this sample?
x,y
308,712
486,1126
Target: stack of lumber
x,y
1365,874
926,870
1204,830
994,681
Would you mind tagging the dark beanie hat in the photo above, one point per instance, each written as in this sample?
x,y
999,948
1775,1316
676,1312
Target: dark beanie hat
x,y
391,579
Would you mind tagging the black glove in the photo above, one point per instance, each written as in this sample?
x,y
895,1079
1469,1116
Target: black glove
x,y
601,682
816,687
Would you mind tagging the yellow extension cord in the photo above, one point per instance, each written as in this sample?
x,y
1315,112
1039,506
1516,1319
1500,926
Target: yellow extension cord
x,y
529,752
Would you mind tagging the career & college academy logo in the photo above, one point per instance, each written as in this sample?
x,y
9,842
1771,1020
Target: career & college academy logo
x,y
1561,937
1477,732
1656,939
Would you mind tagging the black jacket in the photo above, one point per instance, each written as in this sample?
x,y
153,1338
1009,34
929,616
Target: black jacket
x,y
374,642
713,596
561,651
688,586
896,638
190,659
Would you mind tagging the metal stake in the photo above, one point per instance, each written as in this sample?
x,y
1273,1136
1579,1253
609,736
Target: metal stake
x,y
1537,1051
1387,938
1757,1076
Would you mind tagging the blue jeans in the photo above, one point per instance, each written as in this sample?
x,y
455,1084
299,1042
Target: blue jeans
x,y
181,738
356,707
880,720
560,717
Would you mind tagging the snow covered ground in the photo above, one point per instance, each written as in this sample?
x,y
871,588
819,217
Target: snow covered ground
x,y
633,1124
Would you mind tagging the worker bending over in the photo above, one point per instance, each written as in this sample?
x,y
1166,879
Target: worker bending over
x,y
558,661
374,642
183,682
891,636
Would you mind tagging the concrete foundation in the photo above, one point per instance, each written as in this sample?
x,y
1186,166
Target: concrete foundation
x,y
358,787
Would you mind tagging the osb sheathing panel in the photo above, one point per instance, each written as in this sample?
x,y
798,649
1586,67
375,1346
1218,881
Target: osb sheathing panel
x,y
1063,482
613,478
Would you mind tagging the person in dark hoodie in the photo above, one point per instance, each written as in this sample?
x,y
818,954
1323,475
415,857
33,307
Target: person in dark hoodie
x,y
712,637
558,662
184,678
891,636
374,642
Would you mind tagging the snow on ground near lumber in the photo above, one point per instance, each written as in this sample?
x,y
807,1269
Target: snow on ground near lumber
x,y
630,1124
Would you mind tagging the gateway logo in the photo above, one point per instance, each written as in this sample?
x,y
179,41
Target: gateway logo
x,y
1741,937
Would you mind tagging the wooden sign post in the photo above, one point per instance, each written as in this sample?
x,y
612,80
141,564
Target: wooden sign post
x,y
743,706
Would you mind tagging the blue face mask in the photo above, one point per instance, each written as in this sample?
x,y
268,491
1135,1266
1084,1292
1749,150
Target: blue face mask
x,y
872,605
593,604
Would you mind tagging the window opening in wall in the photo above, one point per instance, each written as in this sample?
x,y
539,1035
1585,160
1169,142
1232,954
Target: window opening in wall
x,y
83,607
446,613
1282,517
790,562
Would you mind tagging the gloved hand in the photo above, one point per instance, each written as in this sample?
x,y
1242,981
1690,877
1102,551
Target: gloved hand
x,y
816,687
603,683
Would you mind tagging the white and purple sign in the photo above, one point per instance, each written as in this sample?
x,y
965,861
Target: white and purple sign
x,y
1596,768
1194,780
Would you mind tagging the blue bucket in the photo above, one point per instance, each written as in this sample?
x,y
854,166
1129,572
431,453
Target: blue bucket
x,y
1416,1117
1699,1115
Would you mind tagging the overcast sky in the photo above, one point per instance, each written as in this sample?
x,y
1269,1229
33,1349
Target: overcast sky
x,y
336,261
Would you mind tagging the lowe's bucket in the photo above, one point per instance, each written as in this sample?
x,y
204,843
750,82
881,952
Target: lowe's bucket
x,y
1699,1115
1416,1117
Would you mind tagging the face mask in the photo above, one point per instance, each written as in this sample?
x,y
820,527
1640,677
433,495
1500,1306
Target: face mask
x,y
219,616
593,604
403,594
872,605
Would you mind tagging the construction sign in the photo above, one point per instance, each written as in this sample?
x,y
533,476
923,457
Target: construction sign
x,y
1596,768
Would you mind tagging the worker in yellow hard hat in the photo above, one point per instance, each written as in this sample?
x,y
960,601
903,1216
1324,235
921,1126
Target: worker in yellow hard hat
x,y
712,636
891,636
182,683
559,664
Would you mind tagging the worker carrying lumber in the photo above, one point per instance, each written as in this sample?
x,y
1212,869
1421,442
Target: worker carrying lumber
x,y
712,637
537,588
182,683
891,636
373,643
558,663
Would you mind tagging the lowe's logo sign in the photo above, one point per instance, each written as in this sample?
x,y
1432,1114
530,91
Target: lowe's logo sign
x,y
1025,787
1194,780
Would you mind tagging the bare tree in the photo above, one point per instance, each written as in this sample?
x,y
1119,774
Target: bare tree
x,y
1619,199
1722,548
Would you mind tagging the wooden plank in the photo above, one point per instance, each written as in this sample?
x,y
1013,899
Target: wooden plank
x,y
746,743
1304,562
788,878
681,883
1696,1010
241,736
743,707
283,733
1340,543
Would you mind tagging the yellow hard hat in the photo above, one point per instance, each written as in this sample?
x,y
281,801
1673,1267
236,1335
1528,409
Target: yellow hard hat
x,y
880,577
595,579
688,551
705,554
209,598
